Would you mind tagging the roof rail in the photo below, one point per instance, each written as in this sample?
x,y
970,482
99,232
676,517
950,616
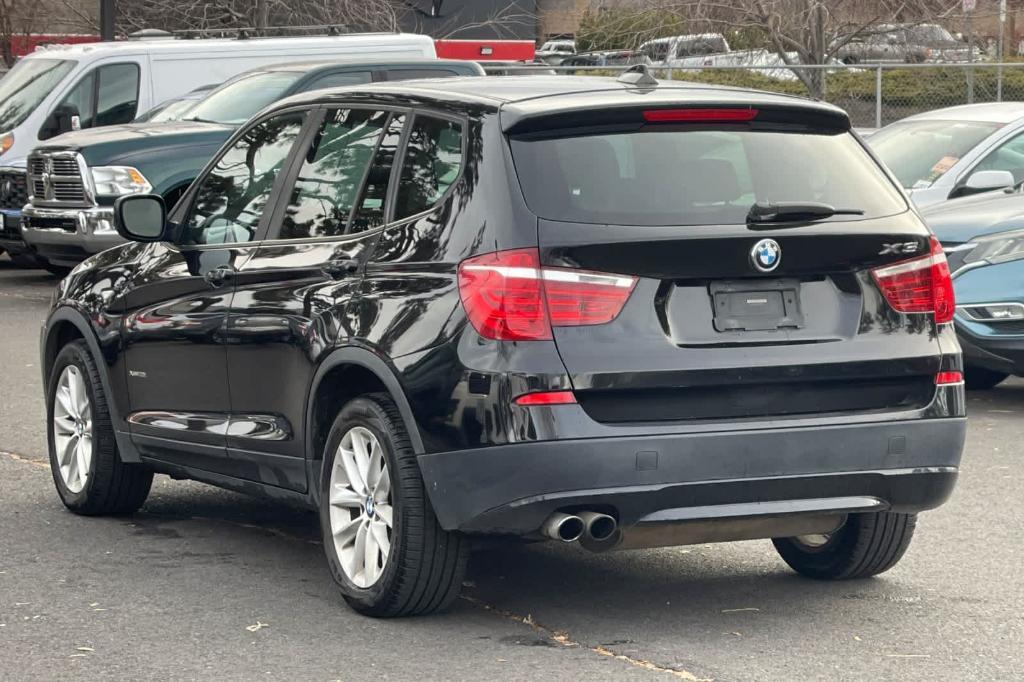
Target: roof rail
x,y
638,76
244,32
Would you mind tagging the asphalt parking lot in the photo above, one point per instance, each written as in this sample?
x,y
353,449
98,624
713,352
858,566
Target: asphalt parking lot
x,y
207,584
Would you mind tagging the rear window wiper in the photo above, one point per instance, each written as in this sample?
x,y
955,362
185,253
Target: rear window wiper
x,y
794,212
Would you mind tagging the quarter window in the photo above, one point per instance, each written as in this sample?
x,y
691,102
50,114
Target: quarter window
x,y
232,196
433,159
331,174
370,213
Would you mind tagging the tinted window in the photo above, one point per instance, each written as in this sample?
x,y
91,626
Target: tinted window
x,y
432,162
329,180
411,74
920,152
696,177
231,197
371,205
81,98
337,80
118,94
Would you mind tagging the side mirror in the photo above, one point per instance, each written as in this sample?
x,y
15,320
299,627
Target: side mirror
x,y
141,217
988,180
64,118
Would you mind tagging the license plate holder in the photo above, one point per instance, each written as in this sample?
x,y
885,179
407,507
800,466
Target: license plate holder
x,y
762,305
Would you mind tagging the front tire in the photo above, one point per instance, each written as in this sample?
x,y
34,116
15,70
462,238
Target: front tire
x,y
384,546
866,545
87,470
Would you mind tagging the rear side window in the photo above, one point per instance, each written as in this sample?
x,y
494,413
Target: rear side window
x,y
328,182
659,176
433,159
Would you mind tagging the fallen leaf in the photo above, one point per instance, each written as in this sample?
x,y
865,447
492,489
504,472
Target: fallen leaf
x,y
257,626
858,638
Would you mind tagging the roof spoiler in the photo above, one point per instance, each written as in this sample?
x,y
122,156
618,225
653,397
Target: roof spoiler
x,y
638,76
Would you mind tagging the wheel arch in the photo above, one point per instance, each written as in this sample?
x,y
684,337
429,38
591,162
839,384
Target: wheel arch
x,y
344,374
64,326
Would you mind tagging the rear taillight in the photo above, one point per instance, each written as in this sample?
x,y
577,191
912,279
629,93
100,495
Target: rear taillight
x,y
921,285
508,296
949,378
547,398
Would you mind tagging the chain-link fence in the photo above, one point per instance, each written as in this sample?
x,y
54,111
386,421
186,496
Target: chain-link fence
x,y
874,95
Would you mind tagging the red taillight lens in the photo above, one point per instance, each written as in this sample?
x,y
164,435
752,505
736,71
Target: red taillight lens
x,y
921,285
508,296
947,378
699,115
547,398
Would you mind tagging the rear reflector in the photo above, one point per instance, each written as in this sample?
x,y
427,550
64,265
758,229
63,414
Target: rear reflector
x,y
508,296
699,115
547,398
947,378
920,285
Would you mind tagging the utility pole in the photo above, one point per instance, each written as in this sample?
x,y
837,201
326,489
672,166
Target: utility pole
x,y
108,17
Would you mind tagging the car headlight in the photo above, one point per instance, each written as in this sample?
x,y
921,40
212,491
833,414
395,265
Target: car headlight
x,y
6,142
997,248
119,180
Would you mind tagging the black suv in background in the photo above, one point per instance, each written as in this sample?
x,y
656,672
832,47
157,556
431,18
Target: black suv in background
x,y
542,307
75,178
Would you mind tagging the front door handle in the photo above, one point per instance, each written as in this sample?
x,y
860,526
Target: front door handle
x,y
220,275
339,268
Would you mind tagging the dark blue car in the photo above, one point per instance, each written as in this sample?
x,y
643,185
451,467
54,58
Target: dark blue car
x,y
983,237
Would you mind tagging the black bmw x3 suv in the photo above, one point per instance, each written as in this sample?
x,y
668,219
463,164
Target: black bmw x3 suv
x,y
596,310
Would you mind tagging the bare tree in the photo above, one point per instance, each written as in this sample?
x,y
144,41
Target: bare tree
x,y
17,17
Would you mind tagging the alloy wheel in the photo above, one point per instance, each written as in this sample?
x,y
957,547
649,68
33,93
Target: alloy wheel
x,y
72,429
361,514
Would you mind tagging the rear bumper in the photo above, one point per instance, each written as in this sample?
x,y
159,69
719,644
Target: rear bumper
x,y
69,236
902,466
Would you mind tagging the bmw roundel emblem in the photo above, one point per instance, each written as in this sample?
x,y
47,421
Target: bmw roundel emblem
x,y
766,255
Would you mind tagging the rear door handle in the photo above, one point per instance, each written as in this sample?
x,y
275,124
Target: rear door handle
x,y
220,275
339,268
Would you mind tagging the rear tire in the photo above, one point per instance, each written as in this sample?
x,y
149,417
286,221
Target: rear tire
x,y
866,545
981,379
422,567
87,470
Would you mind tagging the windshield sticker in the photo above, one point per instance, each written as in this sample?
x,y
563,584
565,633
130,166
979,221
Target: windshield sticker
x,y
940,167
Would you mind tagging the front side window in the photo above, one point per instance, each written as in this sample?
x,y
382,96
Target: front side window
x,y
1009,156
79,102
232,197
118,96
331,174
370,213
433,159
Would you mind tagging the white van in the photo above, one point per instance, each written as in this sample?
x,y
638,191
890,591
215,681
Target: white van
x,y
109,83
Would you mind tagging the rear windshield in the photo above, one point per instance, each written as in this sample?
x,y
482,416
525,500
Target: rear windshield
x,y
696,177
920,152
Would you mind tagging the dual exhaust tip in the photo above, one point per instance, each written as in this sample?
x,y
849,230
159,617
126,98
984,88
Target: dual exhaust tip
x,y
588,525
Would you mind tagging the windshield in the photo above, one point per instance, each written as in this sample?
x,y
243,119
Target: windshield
x,y
920,152
174,110
929,34
236,102
25,86
696,177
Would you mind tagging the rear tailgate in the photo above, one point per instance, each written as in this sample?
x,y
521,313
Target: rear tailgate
x,y
722,324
